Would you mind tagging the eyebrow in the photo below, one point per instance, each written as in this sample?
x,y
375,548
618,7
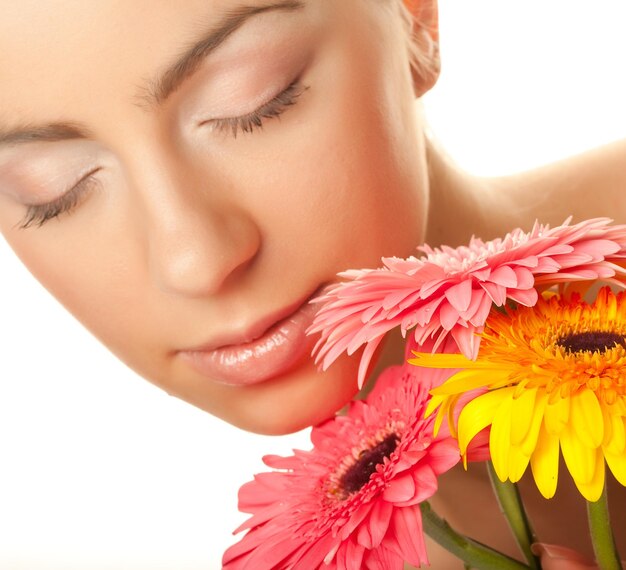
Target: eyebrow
x,y
158,90
52,132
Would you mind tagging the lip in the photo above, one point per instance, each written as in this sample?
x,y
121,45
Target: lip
x,y
268,349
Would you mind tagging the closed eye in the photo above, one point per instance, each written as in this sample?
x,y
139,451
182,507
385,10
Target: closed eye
x,y
39,214
255,120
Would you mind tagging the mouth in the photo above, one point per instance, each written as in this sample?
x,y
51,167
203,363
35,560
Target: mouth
x,y
267,350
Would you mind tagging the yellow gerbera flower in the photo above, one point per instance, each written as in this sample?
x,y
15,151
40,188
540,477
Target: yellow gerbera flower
x,y
553,377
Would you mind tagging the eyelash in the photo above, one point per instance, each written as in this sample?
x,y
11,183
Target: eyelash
x,y
256,119
39,214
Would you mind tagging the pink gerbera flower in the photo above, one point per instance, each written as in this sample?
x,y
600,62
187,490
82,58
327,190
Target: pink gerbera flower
x,y
449,292
352,502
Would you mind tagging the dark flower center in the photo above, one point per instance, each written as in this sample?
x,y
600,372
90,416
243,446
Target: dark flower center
x,y
591,341
360,472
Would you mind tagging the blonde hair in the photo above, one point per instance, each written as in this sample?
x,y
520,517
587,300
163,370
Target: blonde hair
x,y
422,40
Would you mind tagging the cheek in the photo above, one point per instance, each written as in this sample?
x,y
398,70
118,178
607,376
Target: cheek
x,y
342,180
350,187
95,272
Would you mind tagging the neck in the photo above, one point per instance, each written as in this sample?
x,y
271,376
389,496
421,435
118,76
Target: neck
x,y
463,205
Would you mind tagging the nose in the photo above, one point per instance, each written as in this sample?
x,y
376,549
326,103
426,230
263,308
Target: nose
x,y
197,245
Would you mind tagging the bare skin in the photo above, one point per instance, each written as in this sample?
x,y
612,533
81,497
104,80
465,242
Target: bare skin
x,y
193,235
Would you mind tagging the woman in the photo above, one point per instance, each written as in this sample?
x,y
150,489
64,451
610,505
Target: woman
x,y
139,188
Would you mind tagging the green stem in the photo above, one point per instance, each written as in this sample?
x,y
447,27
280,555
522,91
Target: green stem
x,y
602,535
513,510
471,552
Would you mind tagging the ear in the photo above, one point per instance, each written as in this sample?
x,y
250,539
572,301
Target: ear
x,y
424,51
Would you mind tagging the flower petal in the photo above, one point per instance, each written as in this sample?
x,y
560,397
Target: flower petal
x,y
557,415
500,438
617,442
443,456
448,316
593,489
400,489
522,415
379,521
368,353
580,459
482,312
409,536
544,462
384,558
496,292
587,419
505,276
518,462
617,465
526,297
530,441
460,295
477,414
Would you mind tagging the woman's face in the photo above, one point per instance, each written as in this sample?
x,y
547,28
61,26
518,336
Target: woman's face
x,y
185,176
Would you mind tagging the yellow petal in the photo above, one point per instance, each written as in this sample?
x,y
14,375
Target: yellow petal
x,y
592,490
607,418
500,439
557,415
579,458
451,404
518,462
544,462
433,404
478,414
586,418
617,465
522,415
530,441
616,443
620,406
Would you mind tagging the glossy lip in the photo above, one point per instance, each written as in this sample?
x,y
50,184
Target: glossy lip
x,y
266,350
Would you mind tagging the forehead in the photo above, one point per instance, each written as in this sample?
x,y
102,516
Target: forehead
x,y
60,59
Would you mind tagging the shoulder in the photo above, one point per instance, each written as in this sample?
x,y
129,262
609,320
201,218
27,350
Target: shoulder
x,y
587,185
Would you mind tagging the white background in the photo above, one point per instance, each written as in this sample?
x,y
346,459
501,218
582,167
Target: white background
x,y
98,469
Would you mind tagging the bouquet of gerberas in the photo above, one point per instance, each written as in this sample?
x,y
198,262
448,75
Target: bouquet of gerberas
x,y
514,356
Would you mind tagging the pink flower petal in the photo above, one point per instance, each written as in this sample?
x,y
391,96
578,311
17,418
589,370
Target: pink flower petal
x,y
460,295
379,521
400,489
496,292
525,278
437,293
528,298
410,543
383,558
480,316
504,276
448,316
308,514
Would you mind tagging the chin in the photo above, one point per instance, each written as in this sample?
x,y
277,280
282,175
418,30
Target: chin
x,y
298,400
